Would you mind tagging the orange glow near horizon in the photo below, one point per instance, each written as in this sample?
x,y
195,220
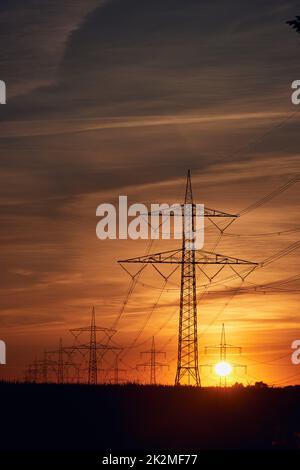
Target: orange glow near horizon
x,y
262,323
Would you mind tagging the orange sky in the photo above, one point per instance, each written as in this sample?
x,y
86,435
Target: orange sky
x,y
264,325
126,107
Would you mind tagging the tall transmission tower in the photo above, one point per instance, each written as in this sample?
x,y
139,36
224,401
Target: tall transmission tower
x,y
93,351
223,348
187,359
92,347
152,363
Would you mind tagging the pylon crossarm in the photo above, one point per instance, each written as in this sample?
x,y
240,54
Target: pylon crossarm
x,y
75,334
207,212
223,228
218,272
146,364
175,257
64,350
203,272
207,257
171,256
210,278
106,347
215,213
83,352
237,348
133,276
160,273
156,352
84,347
220,346
155,364
242,275
211,348
239,366
206,365
160,364
69,353
77,331
166,278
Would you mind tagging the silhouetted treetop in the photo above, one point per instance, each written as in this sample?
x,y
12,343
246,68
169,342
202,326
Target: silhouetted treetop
x,y
295,23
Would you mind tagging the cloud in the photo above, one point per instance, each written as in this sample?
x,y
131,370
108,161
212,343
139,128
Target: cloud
x,y
66,126
144,58
30,56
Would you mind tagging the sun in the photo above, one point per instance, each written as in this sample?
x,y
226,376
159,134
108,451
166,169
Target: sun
x,y
222,369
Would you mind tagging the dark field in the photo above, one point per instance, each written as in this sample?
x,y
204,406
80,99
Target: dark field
x,y
78,417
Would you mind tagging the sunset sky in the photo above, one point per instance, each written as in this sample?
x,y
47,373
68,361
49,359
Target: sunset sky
x,y
121,97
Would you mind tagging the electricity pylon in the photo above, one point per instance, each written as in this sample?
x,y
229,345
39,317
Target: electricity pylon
x,y
92,347
32,372
187,360
45,364
117,371
223,347
93,351
60,368
38,371
75,378
152,363
63,362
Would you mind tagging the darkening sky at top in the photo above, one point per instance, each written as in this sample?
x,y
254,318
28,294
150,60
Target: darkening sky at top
x,y
120,97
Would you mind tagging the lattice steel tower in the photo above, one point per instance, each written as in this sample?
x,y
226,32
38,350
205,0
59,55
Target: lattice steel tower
x,y
117,372
152,363
187,361
93,366
91,347
223,348
60,369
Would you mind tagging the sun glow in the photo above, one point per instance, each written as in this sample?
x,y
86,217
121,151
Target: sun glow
x,y
222,369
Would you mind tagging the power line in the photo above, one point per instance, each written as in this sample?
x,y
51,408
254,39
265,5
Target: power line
x,y
268,197
263,234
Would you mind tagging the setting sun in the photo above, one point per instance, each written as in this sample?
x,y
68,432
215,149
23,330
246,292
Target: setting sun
x,y
222,369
